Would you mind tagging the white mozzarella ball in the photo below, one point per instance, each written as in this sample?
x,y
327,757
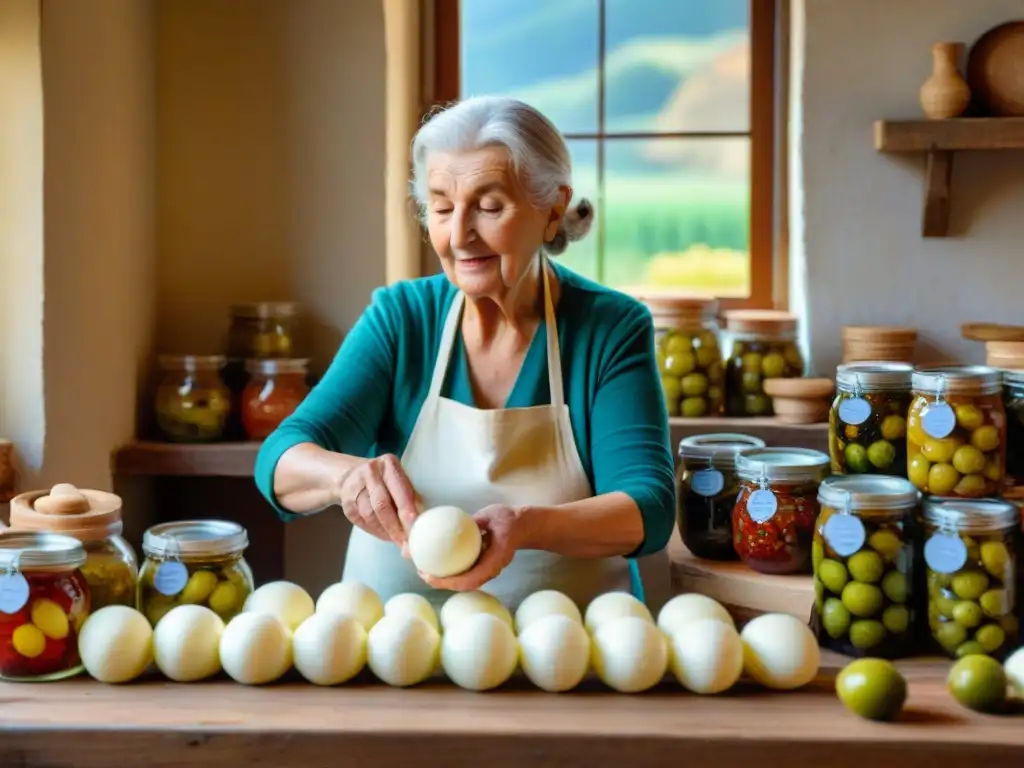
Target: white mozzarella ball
x,y
116,644
611,606
1014,668
464,604
411,603
707,656
554,652
186,643
329,648
402,650
480,652
629,654
683,609
780,651
287,601
352,598
444,541
545,603
256,648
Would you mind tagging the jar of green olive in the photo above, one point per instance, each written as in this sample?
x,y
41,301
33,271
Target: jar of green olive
x,y
194,562
971,574
863,565
1013,400
706,490
763,346
689,356
868,419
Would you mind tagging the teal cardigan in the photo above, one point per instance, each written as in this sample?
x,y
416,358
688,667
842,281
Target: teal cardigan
x,y
369,398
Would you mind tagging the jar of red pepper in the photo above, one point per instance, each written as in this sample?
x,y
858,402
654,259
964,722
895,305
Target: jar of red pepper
x,y
773,520
274,391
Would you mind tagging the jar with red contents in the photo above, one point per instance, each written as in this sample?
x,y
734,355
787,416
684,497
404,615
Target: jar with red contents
x,y
274,391
773,520
44,600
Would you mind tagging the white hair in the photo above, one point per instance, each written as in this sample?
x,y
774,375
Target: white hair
x,y
537,150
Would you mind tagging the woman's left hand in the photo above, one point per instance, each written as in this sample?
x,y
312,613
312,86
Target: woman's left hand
x,y
502,533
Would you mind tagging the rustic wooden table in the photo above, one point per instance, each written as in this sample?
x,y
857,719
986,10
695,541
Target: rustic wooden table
x,y
85,724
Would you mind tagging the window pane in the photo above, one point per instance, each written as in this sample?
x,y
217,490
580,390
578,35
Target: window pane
x,y
677,215
539,51
677,65
582,256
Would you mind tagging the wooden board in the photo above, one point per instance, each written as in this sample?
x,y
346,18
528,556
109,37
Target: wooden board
x,y
219,724
172,459
957,133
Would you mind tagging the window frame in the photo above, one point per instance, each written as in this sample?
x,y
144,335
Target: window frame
x,y
764,65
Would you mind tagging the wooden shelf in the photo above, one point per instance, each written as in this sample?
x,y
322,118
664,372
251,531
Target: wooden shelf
x,y
771,430
205,460
940,139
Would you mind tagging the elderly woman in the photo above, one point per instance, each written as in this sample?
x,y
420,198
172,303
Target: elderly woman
x,y
508,386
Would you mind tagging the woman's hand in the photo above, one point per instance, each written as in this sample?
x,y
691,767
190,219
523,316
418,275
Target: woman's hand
x,y
376,496
502,531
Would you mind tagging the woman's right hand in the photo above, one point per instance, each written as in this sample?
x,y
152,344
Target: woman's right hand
x,y
376,496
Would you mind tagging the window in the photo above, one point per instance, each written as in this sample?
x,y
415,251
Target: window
x,y
667,106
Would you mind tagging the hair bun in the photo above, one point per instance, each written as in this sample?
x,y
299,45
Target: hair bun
x,y
575,225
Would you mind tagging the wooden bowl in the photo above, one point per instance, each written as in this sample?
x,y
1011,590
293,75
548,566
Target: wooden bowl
x,y
878,342
800,401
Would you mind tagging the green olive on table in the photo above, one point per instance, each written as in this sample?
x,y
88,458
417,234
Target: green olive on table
x,y
872,688
978,682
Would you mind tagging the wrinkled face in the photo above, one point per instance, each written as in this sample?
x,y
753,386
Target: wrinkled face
x,y
482,225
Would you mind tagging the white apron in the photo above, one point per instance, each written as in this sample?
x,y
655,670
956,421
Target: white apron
x,y
472,458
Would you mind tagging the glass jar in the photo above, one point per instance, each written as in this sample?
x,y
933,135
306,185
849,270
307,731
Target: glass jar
x,y
194,562
956,432
192,402
44,600
274,391
773,519
689,355
763,347
868,419
262,329
94,518
1013,401
863,557
971,572
706,489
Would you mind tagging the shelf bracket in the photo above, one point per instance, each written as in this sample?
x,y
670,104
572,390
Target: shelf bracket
x,y
938,179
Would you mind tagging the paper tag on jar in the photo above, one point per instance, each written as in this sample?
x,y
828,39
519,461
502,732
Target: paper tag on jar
x,y
13,592
762,506
844,534
944,553
170,578
854,411
938,420
707,482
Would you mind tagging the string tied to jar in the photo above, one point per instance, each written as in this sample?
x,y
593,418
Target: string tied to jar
x,y
14,589
171,575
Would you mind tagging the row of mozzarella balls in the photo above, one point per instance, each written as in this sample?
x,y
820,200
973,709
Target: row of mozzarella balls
x,y
472,640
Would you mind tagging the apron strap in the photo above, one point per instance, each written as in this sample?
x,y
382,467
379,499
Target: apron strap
x,y
444,352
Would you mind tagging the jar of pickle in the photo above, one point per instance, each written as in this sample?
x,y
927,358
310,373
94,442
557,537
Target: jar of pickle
x,y
194,562
94,518
1013,401
971,573
706,490
956,432
773,519
863,557
44,600
868,419
763,346
274,391
192,402
689,356
262,329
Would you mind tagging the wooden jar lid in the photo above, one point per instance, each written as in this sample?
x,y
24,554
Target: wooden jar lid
x,y
879,333
672,308
85,514
766,321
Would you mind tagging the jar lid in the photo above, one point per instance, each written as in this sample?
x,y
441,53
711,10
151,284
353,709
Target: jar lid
x,y
195,538
874,375
671,308
192,363
85,514
720,448
1013,376
34,549
971,515
868,492
265,310
761,321
957,379
272,366
782,464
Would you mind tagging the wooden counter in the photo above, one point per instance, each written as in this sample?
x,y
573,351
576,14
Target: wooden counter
x,y
218,724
